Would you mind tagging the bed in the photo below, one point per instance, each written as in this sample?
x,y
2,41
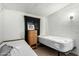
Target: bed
x,y
60,44
20,48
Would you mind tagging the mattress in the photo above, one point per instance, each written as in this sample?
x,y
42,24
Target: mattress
x,y
20,48
58,43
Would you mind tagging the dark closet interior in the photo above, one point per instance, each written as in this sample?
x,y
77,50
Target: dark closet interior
x,y
34,21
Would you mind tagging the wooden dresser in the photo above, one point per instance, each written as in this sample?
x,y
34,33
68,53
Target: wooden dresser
x,y
32,38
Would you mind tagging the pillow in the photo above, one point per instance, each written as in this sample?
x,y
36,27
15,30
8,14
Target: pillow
x,y
5,50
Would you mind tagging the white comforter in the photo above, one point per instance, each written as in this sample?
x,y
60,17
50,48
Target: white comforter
x,y
21,48
61,44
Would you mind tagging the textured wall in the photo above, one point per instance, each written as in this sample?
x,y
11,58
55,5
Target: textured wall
x,y
1,13
59,24
14,24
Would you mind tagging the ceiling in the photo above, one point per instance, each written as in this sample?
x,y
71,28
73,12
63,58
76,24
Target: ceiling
x,y
39,9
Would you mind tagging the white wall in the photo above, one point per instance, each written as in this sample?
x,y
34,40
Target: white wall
x,y
59,24
43,25
14,24
1,39
0,26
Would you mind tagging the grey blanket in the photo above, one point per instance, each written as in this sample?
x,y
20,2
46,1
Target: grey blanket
x,y
5,50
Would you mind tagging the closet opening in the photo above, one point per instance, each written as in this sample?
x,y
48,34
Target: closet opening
x,y
32,29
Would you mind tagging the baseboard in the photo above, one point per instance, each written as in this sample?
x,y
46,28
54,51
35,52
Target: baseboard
x,y
10,40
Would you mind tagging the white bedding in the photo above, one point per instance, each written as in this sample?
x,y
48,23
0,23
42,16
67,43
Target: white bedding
x,y
59,43
21,48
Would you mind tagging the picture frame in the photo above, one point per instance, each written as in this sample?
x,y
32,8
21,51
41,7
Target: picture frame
x,y
31,27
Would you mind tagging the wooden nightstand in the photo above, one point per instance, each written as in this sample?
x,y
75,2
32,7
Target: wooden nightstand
x,y
32,38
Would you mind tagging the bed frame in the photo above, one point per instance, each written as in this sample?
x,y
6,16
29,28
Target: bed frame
x,y
69,53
